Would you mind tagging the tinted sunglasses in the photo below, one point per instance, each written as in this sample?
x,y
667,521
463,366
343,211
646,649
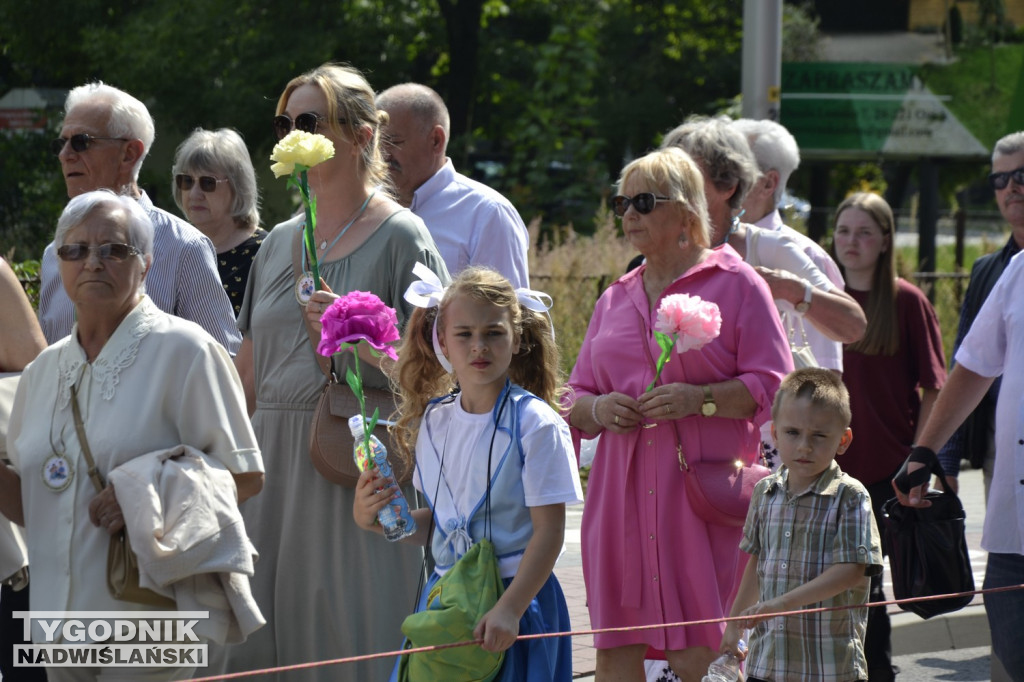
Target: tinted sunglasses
x,y
306,122
1001,180
207,183
644,203
79,142
116,252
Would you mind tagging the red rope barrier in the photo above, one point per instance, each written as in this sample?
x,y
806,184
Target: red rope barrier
x,y
632,628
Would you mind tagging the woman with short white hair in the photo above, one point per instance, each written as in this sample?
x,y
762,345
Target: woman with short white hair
x,y
128,380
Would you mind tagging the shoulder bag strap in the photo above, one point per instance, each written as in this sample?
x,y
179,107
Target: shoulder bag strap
x,y
326,364
753,235
94,473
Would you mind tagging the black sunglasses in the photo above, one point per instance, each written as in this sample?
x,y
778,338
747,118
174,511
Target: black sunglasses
x,y
79,142
207,183
1001,180
306,122
644,203
116,252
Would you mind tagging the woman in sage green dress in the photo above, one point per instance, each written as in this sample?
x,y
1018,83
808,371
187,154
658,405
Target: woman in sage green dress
x,y
327,589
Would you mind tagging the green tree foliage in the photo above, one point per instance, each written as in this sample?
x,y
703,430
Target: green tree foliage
x,y
31,194
559,94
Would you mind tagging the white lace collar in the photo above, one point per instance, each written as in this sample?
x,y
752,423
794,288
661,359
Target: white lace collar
x,y
118,352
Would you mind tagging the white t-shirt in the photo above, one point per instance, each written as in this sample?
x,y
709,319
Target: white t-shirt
x,y
995,346
549,474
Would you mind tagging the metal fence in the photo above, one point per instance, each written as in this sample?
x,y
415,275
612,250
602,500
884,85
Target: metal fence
x,y
575,297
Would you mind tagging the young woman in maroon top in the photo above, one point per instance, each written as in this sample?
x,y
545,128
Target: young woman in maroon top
x,y
894,373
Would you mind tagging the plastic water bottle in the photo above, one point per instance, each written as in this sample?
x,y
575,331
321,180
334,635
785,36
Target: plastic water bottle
x,y
395,518
725,668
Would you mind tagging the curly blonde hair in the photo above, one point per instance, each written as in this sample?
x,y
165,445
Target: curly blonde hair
x,y
418,377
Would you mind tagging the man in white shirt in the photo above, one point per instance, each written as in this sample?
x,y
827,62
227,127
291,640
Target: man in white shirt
x,y
777,157
471,223
994,346
104,139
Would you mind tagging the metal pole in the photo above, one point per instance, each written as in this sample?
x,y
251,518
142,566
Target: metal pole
x,y
762,58
927,218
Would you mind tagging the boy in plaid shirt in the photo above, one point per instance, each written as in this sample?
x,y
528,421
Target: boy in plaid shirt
x,y
813,541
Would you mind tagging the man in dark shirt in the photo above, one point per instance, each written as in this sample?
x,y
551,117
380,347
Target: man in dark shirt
x,y
974,440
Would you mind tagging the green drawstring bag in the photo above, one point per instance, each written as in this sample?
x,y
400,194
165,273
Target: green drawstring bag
x,y
454,606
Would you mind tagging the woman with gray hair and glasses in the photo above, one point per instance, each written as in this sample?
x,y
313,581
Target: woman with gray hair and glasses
x,y
798,286
215,187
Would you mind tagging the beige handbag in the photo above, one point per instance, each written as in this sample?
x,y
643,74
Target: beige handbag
x,y
803,356
330,440
122,564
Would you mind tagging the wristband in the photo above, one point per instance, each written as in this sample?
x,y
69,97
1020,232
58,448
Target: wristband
x,y
593,411
921,455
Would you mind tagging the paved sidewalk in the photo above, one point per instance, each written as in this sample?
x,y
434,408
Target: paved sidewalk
x,y
963,629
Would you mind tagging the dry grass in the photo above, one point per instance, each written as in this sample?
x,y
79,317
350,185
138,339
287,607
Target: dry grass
x,y
574,269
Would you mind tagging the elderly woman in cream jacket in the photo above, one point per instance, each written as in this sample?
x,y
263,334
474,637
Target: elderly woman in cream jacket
x,y
143,381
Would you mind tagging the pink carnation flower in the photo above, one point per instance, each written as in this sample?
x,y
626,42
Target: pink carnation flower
x,y
359,316
694,321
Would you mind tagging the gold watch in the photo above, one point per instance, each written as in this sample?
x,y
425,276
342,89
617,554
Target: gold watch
x,y
708,408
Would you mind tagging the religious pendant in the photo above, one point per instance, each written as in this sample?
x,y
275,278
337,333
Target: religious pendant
x,y
304,288
57,472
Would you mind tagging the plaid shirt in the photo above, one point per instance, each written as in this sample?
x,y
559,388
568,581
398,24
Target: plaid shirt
x,y
796,538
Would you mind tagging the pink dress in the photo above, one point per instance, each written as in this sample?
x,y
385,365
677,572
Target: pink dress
x,y
647,558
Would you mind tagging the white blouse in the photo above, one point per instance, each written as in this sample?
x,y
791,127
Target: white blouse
x,y
160,381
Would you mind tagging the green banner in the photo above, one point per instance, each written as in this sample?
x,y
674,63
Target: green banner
x,y
863,110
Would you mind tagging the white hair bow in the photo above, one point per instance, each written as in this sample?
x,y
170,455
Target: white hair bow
x,y
538,302
428,291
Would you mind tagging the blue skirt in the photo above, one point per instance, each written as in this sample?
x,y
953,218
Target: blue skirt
x,y
532,660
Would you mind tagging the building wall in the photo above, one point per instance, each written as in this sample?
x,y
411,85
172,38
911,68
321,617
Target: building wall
x,y
930,15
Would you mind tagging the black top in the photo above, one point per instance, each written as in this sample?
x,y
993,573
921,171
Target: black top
x,y
233,266
969,441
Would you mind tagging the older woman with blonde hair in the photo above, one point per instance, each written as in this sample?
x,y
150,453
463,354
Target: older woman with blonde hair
x,y
215,187
328,589
648,557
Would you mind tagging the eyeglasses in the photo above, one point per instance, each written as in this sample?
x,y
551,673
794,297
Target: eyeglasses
x,y
1001,180
115,252
207,183
79,142
644,203
306,122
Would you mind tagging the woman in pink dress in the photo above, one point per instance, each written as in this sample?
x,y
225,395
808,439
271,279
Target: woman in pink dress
x,y
647,557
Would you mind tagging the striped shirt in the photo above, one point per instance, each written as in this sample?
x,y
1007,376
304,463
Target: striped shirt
x,y
796,538
182,281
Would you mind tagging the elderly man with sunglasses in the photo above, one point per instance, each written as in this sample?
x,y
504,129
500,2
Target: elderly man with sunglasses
x,y
471,223
104,139
975,439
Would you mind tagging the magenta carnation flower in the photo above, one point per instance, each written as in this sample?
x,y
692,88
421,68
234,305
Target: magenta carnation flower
x,y
359,316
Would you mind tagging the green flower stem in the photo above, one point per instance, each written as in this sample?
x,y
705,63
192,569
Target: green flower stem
x,y
666,342
362,402
310,227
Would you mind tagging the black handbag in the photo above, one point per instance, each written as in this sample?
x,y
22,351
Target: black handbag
x,y
926,546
